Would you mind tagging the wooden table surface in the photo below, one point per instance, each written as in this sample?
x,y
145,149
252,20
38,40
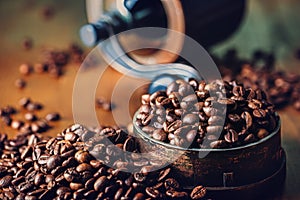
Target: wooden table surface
x,y
268,24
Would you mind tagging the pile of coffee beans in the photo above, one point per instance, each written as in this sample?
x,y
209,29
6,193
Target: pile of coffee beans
x,y
53,62
81,163
207,115
30,122
282,88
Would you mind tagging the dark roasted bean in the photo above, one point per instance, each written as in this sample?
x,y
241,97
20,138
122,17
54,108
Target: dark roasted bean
x,y
198,192
53,162
262,133
139,196
76,186
176,194
231,136
5,181
53,116
100,183
171,183
153,192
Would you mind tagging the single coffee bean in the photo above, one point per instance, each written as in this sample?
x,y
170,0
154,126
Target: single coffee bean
x,y
249,138
172,87
62,190
171,183
235,118
139,196
153,192
83,167
214,129
198,192
75,186
37,192
5,181
190,136
129,145
139,177
259,113
159,134
20,83
190,119
248,119
53,162
100,183
175,194
25,69
18,180
53,116
30,117
24,102
16,124
218,144
216,120
231,136
262,133
82,156
39,179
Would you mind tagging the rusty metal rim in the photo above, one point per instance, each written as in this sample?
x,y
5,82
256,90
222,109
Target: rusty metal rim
x,y
145,136
266,180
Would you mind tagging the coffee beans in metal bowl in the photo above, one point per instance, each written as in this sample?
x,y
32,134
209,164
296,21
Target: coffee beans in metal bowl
x,y
196,114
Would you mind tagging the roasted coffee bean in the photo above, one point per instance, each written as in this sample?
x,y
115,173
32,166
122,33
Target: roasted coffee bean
x,y
173,87
75,186
5,181
102,103
83,167
82,156
198,192
53,116
248,119
129,145
190,136
235,118
262,133
39,179
214,129
218,144
53,162
249,138
139,177
16,124
159,134
152,192
18,180
231,136
36,192
163,174
259,113
190,119
25,187
100,183
139,196
25,69
30,117
20,83
171,183
176,194
62,190
216,120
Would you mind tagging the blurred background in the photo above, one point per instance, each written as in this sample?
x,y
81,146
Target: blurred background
x,y
269,25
